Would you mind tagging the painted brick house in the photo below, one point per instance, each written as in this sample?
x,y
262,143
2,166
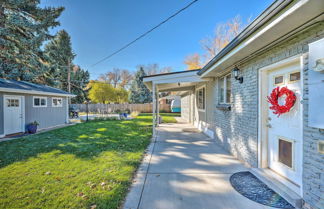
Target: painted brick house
x,y
227,98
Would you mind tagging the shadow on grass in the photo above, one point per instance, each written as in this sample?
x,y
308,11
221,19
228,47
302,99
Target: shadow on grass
x,y
86,140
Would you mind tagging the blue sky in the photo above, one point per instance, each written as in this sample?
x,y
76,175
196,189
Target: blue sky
x,y
99,27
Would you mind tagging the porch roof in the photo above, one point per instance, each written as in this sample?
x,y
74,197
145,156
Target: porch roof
x,y
175,81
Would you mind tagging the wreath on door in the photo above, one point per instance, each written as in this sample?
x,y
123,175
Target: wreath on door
x,y
274,97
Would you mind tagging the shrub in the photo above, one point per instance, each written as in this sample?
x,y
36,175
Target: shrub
x,y
134,114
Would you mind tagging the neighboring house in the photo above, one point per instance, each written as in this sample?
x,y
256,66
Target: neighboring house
x,y
227,98
22,103
174,101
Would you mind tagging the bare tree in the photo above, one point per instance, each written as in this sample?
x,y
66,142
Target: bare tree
x,y
114,76
166,69
126,77
104,78
117,77
193,62
152,69
223,34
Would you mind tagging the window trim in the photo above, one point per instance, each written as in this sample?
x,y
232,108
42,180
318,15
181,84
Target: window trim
x,y
201,87
61,105
225,89
37,97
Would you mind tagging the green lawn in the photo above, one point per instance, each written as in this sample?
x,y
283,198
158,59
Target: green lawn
x,y
167,117
73,167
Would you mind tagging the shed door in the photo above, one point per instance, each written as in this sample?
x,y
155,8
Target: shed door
x,y
13,114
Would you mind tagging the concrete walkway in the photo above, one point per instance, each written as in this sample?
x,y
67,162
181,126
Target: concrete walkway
x,y
187,170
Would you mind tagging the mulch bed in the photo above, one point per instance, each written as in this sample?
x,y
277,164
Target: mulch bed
x,y
252,188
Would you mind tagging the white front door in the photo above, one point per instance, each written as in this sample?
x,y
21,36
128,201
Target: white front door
x,y
13,114
285,132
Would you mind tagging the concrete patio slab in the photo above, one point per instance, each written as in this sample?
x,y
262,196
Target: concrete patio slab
x,y
184,170
192,158
192,191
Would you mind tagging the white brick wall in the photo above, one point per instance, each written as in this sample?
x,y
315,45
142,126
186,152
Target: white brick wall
x,y
237,130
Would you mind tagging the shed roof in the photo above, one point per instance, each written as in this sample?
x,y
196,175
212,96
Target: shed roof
x,y
29,88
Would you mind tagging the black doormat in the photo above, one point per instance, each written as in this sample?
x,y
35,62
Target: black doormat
x,y
252,188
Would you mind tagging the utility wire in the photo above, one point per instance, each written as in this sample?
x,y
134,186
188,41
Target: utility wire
x,y
144,34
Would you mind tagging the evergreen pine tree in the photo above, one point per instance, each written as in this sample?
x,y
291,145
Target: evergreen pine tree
x,y
139,93
23,29
60,56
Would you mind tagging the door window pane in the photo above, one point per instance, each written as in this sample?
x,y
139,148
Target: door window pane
x,y
16,102
294,76
279,80
285,152
12,102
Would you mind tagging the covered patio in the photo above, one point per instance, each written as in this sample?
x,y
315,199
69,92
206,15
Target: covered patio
x,y
182,81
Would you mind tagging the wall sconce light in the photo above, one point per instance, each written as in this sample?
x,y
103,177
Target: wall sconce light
x,y
236,75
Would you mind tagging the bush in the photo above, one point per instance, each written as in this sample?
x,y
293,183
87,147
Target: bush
x,y
134,114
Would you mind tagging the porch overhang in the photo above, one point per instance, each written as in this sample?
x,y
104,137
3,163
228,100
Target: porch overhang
x,y
175,81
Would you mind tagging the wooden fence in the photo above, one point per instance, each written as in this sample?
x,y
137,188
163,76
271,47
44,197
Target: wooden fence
x,y
113,108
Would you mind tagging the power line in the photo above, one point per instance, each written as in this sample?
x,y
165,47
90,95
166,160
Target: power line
x,y
144,34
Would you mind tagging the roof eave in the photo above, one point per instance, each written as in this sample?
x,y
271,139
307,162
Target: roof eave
x,y
13,90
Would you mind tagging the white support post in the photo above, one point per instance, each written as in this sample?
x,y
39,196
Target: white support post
x,y
154,108
157,107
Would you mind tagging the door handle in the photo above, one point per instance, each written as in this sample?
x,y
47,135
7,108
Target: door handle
x,y
269,125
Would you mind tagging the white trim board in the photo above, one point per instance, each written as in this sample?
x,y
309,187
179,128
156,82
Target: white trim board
x,y
21,91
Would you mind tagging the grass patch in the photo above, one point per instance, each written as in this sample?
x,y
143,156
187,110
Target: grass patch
x,y
166,117
73,167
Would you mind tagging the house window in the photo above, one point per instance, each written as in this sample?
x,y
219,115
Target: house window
x,y
40,102
201,98
225,89
57,102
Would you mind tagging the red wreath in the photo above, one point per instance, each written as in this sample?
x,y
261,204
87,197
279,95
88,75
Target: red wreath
x,y
289,102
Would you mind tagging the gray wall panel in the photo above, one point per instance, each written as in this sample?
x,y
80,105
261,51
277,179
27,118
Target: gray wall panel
x,y
46,116
1,114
